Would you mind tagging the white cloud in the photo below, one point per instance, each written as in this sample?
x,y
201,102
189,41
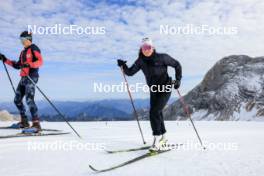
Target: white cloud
x,y
126,24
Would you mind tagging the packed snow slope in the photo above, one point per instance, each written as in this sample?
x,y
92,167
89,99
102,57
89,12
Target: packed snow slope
x,y
239,152
233,89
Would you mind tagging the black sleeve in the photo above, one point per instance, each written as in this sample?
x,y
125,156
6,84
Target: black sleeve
x,y
169,61
17,65
133,69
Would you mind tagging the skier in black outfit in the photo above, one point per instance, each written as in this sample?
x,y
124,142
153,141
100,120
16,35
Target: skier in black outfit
x,y
154,66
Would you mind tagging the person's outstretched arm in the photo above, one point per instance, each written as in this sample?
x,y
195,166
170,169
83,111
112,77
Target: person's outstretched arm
x,y
129,71
14,64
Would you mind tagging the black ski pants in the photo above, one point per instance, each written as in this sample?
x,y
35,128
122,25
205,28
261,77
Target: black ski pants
x,y
158,101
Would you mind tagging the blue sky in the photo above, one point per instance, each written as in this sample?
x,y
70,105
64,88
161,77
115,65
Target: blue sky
x,y
73,63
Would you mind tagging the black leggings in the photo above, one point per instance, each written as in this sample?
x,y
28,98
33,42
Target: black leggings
x,y
26,88
158,101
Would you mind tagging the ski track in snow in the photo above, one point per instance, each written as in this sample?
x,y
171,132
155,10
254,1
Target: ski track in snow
x,y
248,159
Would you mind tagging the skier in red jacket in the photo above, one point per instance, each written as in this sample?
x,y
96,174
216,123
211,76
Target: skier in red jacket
x,y
29,62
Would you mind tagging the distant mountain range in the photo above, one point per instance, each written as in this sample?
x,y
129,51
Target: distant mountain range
x,y
110,109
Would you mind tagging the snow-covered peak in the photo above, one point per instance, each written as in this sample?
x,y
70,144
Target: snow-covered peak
x,y
5,116
233,89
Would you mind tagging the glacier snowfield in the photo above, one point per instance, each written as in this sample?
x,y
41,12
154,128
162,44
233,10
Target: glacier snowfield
x,y
233,148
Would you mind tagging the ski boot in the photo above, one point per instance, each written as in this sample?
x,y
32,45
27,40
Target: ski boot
x,y
159,143
164,140
35,128
22,124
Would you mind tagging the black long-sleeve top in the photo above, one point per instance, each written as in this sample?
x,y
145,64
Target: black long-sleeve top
x,y
155,68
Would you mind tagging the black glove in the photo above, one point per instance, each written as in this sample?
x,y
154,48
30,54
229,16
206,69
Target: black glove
x,y
177,84
121,63
26,65
2,57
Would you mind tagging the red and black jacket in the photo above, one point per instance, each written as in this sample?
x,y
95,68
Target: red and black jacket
x,y
31,56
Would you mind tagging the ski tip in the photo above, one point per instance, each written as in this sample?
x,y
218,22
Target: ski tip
x,y
91,167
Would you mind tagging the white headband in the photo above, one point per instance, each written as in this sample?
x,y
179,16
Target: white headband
x,y
146,41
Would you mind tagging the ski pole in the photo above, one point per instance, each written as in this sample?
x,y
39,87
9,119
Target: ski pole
x,y
132,103
186,108
56,109
9,77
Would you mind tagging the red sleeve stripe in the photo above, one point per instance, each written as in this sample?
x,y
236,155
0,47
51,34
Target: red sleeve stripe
x,y
9,62
39,61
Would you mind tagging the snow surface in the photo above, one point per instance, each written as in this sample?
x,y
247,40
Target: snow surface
x,y
246,158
